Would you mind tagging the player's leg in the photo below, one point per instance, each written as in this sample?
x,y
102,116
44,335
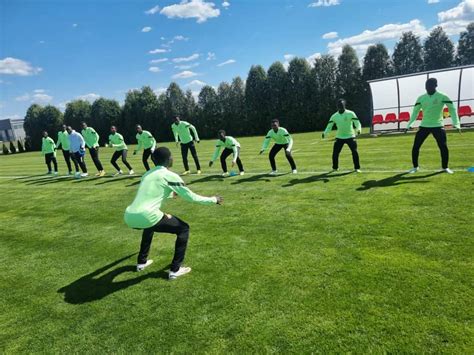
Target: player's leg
x,y
67,158
142,259
146,155
271,156
94,152
81,162
290,159
55,164
125,161
442,140
75,162
420,137
192,147
239,162
352,143
225,153
47,160
184,154
113,161
336,150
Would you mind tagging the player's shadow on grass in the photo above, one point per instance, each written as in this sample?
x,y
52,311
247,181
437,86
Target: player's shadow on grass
x,y
118,179
398,179
48,180
94,286
325,178
206,179
257,177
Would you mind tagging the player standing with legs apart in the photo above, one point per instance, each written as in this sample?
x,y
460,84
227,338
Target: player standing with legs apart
x,y
432,104
231,146
146,141
77,148
116,141
145,213
181,130
48,149
282,140
92,141
63,142
345,121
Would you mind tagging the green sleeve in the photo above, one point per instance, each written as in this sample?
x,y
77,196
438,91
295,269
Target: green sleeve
x,y
216,152
194,132
175,133
236,153
329,126
414,114
186,194
266,141
58,143
42,146
153,140
290,143
140,143
356,122
452,111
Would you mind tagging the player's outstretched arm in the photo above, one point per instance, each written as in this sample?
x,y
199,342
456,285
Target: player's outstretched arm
x,y
186,194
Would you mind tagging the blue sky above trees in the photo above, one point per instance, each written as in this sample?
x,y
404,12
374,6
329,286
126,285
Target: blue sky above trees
x,y
52,52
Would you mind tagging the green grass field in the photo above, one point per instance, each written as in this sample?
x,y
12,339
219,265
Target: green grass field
x,y
376,262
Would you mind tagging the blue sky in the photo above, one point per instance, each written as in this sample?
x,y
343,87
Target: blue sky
x,y
56,51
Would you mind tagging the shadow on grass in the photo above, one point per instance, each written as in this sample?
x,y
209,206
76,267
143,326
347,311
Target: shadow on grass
x,y
395,180
93,287
258,177
206,179
315,178
48,180
111,179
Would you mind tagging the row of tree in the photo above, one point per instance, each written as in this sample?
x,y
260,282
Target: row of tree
x,y
303,95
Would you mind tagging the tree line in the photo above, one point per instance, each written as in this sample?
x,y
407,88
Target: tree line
x,y
302,96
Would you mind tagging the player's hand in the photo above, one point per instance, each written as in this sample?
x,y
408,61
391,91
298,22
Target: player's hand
x,y
198,142
261,152
210,163
359,132
220,200
288,150
323,136
134,152
168,216
152,151
174,195
177,144
233,163
459,130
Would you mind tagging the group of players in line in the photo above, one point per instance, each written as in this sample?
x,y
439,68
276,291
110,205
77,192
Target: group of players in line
x,y
159,183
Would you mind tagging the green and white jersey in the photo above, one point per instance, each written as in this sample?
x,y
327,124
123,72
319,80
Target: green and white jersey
x,y
182,131
48,146
157,186
229,143
280,137
345,123
91,137
145,140
116,141
432,106
63,140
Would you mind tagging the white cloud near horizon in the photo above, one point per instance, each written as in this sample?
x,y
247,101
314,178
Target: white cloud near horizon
x,y
330,35
186,59
199,9
14,66
184,75
156,61
154,69
153,10
159,51
324,3
146,29
227,62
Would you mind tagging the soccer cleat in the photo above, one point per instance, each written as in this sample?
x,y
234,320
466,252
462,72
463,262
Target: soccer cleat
x,y
182,271
55,173
226,174
98,174
84,175
199,172
242,173
448,170
140,267
120,172
49,173
101,173
413,170
187,172
131,172
273,172
294,171
358,170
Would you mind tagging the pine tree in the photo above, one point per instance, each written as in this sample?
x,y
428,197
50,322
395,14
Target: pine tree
x,y
465,53
407,56
438,50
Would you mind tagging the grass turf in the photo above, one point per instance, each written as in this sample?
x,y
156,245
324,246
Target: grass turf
x,y
379,261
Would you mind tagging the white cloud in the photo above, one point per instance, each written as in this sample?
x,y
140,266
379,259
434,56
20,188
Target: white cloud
x,y
75,25
153,10
24,97
146,29
310,59
39,91
13,66
211,56
184,75
159,50
88,97
288,58
154,69
433,1
330,35
454,27
227,62
159,91
225,4
41,98
199,9
156,61
186,66
363,40
195,84
186,59
180,38
463,11
324,3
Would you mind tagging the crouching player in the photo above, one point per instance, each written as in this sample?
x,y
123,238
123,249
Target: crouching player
x,y
231,146
145,213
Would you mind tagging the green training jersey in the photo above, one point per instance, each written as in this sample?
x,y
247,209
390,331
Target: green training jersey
x,y
432,106
145,140
229,143
116,141
345,123
182,131
63,140
280,137
91,137
48,146
156,186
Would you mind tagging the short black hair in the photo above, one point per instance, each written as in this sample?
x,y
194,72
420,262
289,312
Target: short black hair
x,y
138,126
342,100
175,117
83,122
275,120
221,131
161,155
432,80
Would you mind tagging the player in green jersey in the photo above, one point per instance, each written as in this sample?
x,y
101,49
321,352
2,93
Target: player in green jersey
x,y
146,141
116,141
48,149
231,146
92,142
182,135
63,142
